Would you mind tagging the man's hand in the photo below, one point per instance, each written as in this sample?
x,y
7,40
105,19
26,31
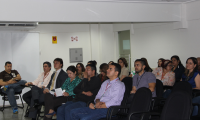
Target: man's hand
x,y
12,81
65,94
29,83
133,92
98,104
103,105
88,93
85,74
55,93
91,106
46,91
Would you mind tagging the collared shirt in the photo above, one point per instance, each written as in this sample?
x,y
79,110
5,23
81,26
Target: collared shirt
x,y
111,92
144,80
124,71
69,86
42,80
58,71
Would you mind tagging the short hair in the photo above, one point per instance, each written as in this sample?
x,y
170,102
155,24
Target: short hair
x,y
59,60
165,63
124,61
48,63
82,66
93,67
141,61
72,68
8,62
104,67
117,68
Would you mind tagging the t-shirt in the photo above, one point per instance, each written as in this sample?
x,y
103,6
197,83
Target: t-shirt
x,y
6,76
124,71
144,80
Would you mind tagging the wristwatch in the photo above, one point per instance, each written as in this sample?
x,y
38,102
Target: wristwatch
x,y
94,106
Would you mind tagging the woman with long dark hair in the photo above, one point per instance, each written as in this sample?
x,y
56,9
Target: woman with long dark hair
x,y
80,70
147,68
103,72
178,67
191,75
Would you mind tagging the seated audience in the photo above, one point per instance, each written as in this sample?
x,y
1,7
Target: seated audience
x,y
147,68
160,62
80,69
103,71
41,82
86,91
143,78
52,102
191,75
57,80
198,59
124,70
178,67
110,62
11,80
165,73
110,94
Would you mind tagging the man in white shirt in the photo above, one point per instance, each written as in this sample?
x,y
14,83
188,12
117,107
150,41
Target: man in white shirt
x,y
41,82
56,81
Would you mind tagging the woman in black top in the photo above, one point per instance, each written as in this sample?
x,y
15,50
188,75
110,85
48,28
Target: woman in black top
x,y
178,67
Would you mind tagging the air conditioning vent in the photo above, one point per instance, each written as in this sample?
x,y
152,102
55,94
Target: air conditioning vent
x,y
2,24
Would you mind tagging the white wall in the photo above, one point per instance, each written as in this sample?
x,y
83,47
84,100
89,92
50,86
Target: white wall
x,y
22,49
88,11
97,41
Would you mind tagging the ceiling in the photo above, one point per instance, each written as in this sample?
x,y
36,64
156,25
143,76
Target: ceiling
x,y
177,1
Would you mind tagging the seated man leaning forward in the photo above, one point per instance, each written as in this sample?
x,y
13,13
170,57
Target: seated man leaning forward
x,y
11,80
143,78
111,93
85,92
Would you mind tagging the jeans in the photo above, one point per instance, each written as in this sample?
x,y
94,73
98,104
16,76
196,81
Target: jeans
x,y
16,87
195,109
86,113
166,93
63,112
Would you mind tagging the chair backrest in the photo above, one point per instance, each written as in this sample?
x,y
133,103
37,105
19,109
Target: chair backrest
x,y
159,88
183,86
177,106
128,87
141,101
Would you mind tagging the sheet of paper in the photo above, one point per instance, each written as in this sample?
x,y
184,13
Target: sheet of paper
x,y
59,92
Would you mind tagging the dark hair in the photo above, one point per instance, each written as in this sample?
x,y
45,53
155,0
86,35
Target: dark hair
x,y
82,66
124,61
178,59
117,68
59,60
8,62
93,62
194,60
164,64
72,68
141,61
93,67
111,62
161,60
104,67
48,63
147,67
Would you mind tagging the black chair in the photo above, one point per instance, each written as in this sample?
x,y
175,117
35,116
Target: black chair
x,y
178,106
141,103
5,98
